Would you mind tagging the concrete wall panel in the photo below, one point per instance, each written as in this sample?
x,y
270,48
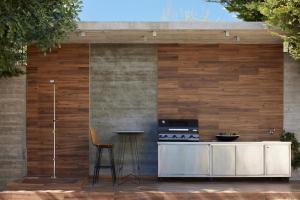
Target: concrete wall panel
x,y
292,99
123,97
12,129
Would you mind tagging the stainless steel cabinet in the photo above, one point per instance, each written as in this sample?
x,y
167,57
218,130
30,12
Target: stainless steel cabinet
x,y
183,160
223,160
250,160
277,159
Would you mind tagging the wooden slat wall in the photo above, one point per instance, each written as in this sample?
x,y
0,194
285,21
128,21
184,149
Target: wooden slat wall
x,y
227,87
69,67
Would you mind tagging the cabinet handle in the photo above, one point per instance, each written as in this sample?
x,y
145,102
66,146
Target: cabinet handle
x,y
267,147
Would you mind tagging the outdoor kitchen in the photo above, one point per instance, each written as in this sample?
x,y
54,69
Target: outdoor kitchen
x,y
142,100
181,154
190,96
158,101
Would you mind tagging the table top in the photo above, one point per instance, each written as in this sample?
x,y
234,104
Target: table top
x,y
128,132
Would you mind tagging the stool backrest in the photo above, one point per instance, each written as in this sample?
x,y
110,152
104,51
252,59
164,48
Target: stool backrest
x,y
93,136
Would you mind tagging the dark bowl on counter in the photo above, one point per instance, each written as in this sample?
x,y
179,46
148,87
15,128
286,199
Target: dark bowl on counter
x,y
226,138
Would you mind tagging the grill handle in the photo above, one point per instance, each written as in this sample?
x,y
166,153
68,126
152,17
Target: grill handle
x,y
178,129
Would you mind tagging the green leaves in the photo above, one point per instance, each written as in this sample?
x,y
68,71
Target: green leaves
x,y
290,137
283,14
245,9
43,22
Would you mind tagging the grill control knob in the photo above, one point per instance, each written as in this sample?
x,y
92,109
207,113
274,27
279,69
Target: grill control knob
x,y
182,136
174,136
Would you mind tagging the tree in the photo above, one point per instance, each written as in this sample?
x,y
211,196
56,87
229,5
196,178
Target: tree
x,y
43,22
283,14
245,9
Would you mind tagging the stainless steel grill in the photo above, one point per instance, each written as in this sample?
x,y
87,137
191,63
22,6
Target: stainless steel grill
x,y
178,130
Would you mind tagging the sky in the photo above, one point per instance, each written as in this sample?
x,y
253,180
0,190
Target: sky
x,y
154,10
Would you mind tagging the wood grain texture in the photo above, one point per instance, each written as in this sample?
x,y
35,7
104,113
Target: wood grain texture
x,y
69,67
226,87
47,183
163,190
153,195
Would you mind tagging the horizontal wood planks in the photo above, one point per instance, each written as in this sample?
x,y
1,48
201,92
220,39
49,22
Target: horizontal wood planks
x,y
227,87
154,190
69,67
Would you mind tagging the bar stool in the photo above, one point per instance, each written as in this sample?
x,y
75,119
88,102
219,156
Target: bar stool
x,y
98,165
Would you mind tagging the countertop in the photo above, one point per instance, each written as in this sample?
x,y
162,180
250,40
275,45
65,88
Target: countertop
x,y
229,143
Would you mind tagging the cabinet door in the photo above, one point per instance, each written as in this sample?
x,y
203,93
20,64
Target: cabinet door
x,y
250,160
277,161
183,160
223,160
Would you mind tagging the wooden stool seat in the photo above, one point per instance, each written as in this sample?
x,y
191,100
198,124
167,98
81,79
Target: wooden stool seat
x,y
98,165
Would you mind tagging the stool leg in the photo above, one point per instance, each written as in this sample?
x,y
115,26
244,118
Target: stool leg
x,y
94,176
98,164
112,165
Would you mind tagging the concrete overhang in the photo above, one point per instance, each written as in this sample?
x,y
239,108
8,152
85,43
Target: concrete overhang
x,y
174,32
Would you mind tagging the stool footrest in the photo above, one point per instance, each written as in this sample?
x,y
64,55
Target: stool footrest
x,y
104,166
